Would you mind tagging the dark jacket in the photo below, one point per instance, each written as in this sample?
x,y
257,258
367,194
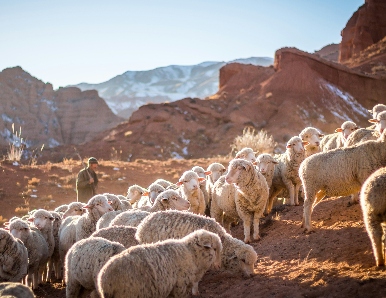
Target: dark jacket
x,y
85,191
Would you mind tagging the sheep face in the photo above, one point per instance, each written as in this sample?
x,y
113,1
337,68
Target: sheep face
x,y
264,162
19,231
296,145
75,208
217,174
211,244
134,195
170,199
236,169
312,136
154,191
347,129
190,181
201,173
41,219
100,203
247,154
241,260
380,122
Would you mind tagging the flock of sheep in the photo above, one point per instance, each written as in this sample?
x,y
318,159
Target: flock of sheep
x,y
159,241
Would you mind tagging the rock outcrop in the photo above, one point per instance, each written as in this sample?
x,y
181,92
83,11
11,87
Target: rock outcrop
x,y
47,116
366,27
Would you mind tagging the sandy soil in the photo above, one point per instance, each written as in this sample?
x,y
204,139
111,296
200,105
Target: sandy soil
x,y
335,261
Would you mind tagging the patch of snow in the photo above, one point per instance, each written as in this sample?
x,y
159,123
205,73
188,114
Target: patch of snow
x,y
52,143
185,151
15,163
6,118
116,169
175,155
33,196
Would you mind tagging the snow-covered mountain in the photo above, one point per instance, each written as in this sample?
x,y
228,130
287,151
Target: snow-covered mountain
x,y
125,93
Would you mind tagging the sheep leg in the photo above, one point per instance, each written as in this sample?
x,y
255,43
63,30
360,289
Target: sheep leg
x,y
227,222
309,198
296,195
195,291
216,213
291,190
375,232
73,289
256,222
272,195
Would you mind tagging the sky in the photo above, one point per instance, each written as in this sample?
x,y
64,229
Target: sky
x,y
74,41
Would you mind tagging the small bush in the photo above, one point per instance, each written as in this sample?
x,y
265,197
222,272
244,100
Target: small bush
x,y
259,141
16,148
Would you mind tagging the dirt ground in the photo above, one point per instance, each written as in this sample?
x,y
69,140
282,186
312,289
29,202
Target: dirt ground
x,y
335,261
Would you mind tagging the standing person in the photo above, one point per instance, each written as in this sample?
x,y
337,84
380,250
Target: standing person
x,y
87,181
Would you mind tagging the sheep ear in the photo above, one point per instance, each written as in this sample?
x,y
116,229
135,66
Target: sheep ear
x,y
373,120
370,111
356,128
110,202
51,218
321,135
179,183
305,143
200,179
275,162
239,156
86,206
288,146
146,193
255,163
208,173
338,129
6,228
30,219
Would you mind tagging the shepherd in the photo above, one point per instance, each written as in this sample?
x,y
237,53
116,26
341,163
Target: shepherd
x,y
87,181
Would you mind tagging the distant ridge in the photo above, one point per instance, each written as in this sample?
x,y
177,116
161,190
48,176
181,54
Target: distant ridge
x,y
125,93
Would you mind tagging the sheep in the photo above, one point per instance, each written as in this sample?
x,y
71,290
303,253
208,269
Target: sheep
x,y
154,190
84,260
237,257
250,197
42,220
134,194
106,219
116,203
122,234
312,136
86,224
164,183
286,174
54,263
216,171
189,184
13,258
61,208
37,249
247,154
74,208
15,290
338,139
67,236
373,204
203,174
169,199
377,109
172,267
265,163
339,172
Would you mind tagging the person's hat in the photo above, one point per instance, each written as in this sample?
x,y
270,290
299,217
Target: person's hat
x,y
92,160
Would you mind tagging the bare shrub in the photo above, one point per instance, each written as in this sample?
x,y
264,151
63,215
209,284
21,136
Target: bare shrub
x,y
259,141
16,148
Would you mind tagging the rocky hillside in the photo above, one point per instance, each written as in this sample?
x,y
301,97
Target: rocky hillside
x,y
299,90
366,27
45,116
125,93
329,52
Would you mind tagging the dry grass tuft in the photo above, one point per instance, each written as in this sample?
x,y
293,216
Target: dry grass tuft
x,y
259,141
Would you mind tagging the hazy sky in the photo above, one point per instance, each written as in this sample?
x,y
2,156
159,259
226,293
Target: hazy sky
x,y
69,42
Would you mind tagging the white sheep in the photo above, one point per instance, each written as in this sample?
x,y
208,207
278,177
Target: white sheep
x,y
154,190
265,163
134,194
250,197
84,260
247,154
42,220
286,175
312,136
189,184
15,290
377,109
121,234
106,219
339,138
74,208
54,263
216,171
37,248
373,203
164,183
86,224
169,199
237,257
61,209
116,203
67,236
339,172
367,134
13,258
168,268
203,174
